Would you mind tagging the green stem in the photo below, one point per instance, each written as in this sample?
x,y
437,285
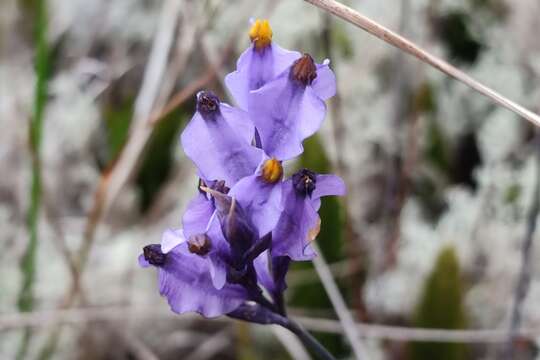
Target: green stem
x,y
25,300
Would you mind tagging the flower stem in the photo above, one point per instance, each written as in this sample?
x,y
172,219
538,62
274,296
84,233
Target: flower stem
x,y
259,314
308,340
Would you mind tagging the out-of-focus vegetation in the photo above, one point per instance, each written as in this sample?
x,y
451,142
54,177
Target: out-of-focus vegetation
x,y
438,179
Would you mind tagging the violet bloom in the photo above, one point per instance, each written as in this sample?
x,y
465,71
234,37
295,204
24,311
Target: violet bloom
x,y
260,195
185,281
259,64
291,108
299,222
218,140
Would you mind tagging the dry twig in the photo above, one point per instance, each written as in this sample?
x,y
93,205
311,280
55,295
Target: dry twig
x,y
390,37
345,317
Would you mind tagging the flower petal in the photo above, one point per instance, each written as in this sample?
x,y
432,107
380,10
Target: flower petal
x,y
324,84
220,147
197,215
255,68
285,113
291,235
327,185
171,238
259,199
186,283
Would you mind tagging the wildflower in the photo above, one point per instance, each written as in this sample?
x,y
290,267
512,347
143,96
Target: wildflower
x,y
185,281
299,219
291,107
246,223
258,64
260,195
218,140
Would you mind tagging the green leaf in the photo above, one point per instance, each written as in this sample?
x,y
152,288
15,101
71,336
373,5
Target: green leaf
x,y
441,306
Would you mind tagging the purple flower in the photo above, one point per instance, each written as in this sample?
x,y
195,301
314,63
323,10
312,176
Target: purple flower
x,y
299,222
259,64
291,108
185,281
260,195
218,140
245,225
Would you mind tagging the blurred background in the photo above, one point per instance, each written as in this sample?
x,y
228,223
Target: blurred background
x,y
437,226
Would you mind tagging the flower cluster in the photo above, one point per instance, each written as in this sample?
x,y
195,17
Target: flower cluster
x,y
247,222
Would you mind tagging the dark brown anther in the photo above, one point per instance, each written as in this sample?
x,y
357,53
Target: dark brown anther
x,y
207,104
221,187
304,70
152,253
199,244
304,181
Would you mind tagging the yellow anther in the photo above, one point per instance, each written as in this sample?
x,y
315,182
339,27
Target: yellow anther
x,y
272,170
261,34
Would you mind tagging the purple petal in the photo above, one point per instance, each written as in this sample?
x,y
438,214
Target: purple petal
x,y
197,215
324,84
291,235
259,199
186,283
285,113
218,254
170,239
328,185
221,147
255,68
262,268
142,261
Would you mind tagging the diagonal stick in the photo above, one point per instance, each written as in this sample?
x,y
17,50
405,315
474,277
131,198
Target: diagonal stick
x,y
345,317
390,37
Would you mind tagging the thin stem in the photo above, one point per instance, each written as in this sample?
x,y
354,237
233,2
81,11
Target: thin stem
x,y
388,36
526,252
25,300
258,314
308,340
345,317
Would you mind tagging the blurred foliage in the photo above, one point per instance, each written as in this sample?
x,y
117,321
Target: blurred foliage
x,y
158,156
441,306
424,99
466,158
25,300
330,241
437,151
512,194
117,119
453,29
498,8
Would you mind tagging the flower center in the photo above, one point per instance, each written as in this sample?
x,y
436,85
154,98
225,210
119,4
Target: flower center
x,y
261,34
199,244
304,70
272,171
207,103
304,181
152,253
